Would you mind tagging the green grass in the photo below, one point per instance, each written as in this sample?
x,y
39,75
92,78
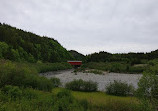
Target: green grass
x,y
104,102
47,101
40,102
97,97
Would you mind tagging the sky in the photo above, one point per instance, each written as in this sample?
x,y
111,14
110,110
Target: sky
x,y
88,26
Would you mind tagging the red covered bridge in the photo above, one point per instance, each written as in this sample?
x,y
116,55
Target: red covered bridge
x,y
75,63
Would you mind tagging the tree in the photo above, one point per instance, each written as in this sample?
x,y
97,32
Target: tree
x,y
148,86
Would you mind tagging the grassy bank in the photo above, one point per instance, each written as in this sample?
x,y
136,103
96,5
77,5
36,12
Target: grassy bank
x,y
45,67
26,74
118,67
99,101
27,99
63,100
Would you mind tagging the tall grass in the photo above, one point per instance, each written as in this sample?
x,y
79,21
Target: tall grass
x,y
35,100
99,101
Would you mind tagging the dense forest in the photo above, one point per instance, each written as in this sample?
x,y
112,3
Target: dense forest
x,y
77,55
19,45
133,58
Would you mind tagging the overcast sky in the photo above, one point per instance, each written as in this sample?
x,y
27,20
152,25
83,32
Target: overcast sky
x,y
88,26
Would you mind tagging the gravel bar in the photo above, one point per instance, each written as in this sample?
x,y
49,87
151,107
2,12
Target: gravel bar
x,y
102,80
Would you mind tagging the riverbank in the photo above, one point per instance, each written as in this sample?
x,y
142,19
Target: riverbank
x,y
102,80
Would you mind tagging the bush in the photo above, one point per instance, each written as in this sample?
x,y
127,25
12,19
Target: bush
x,y
119,88
66,102
64,93
80,85
13,92
55,82
147,90
22,76
29,94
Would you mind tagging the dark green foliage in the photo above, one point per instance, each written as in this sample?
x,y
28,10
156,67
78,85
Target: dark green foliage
x,y
148,88
12,98
19,45
46,67
119,88
130,58
66,102
3,49
29,93
78,56
148,84
13,92
64,93
12,74
80,85
55,82
133,58
26,74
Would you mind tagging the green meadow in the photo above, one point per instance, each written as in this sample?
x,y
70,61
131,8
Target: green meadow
x,y
100,101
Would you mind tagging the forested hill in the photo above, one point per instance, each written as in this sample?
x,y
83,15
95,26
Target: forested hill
x,y
77,55
19,45
135,58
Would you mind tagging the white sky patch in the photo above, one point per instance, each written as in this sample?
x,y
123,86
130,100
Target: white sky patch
x,y
88,26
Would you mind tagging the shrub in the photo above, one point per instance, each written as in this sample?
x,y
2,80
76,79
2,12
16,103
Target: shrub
x,y
119,88
14,74
147,90
64,93
80,85
29,94
66,102
55,82
13,92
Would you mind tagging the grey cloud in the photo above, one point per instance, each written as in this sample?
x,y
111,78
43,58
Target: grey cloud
x,y
88,26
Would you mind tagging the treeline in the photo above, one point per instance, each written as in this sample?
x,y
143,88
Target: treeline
x,y
132,58
77,56
19,45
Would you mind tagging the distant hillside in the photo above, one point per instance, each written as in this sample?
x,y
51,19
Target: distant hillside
x,y
77,56
136,58
19,45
